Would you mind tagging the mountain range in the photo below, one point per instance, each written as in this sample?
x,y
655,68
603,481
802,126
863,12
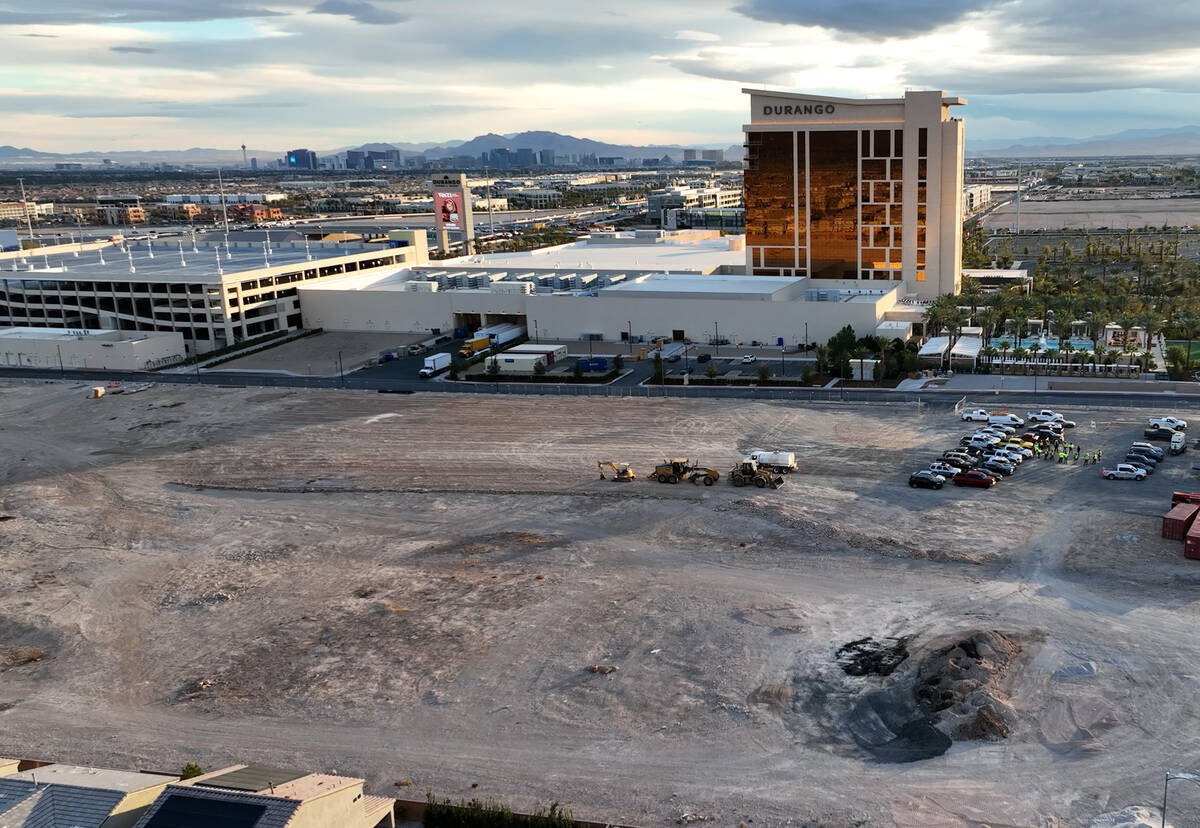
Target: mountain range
x,y
1131,142
1134,142
535,140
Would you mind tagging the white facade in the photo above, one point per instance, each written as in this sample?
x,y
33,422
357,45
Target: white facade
x,y
647,305
108,350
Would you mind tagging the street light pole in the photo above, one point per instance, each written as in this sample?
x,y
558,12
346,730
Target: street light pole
x,y
630,324
61,370
717,338
341,370
1190,777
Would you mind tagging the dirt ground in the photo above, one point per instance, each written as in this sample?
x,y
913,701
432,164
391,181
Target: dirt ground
x,y
441,588
1113,213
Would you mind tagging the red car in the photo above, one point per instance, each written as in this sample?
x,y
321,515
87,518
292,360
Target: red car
x,y
974,477
1036,437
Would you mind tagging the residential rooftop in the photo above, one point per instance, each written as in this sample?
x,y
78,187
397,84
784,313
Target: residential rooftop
x,y
101,778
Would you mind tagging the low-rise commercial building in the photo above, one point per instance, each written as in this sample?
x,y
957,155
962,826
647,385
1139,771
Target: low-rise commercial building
x,y
659,202
613,289
80,348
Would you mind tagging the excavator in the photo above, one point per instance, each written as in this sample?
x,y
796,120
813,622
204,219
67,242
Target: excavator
x,y
749,473
680,468
620,471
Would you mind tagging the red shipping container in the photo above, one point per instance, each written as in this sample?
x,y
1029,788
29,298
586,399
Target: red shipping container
x,y
1191,542
1177,522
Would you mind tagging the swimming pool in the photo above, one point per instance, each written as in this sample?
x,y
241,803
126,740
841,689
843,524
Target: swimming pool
x,y
1050,343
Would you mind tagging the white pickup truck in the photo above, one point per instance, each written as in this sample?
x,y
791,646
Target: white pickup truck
x,y
1168,422
997,417
1123,471
1044,416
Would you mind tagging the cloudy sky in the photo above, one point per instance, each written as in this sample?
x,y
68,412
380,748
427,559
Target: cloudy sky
x,y
168,74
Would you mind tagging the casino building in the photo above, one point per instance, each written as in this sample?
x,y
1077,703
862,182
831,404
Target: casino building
x,y
841,188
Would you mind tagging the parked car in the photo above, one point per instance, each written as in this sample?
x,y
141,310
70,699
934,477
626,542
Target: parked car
x,y
979,442
1017,442
1036,437
1045,415
974,477
1019,448
978,414
946,469
703,357
1178,443
749,359
1152,450
1006,453
997,466
1123,471
960,459
1155,432
1142,463
1138,456
1169,422
926,479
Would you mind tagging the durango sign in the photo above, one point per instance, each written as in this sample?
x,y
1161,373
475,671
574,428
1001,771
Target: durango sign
x,y
798,109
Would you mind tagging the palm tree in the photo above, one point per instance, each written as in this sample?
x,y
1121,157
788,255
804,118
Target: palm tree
x,y
1020,353
1067,350
1034,348
1005,347
988,353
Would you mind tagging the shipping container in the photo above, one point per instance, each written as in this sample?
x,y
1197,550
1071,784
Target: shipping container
x,y
1185,497
1191,541
550,352
1177,522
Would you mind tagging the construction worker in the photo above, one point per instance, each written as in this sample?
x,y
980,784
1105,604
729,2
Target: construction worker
x,y
1077,452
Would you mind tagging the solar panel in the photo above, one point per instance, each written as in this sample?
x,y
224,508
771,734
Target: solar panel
x,y
252,778
183,811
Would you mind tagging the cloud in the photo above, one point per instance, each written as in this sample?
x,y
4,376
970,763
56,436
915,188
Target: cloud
x,y
35,34
736,63
700,37
74,12
361,11
134,50
867,18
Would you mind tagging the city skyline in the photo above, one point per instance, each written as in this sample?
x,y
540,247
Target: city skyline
x,y
151,74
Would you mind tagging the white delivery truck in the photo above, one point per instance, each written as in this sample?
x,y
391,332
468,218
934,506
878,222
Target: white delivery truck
x,y
435,364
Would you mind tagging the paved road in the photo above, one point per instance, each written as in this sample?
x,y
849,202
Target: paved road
x,y
364,381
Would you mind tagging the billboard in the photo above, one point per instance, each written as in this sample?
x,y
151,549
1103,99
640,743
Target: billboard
x,y
448,210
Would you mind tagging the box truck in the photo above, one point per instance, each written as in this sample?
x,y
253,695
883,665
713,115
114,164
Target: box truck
x,y
434,364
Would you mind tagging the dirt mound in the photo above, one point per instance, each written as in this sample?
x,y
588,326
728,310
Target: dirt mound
x,y
868,657
964,685
778,697
16,656
915,708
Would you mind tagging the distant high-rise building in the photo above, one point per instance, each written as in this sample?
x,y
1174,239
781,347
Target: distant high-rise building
x,y
301,159
712,155
355,159
546,158
254,163
526,158
689,155
841,188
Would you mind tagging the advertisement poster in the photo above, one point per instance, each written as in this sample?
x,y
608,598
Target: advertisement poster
x,y
448,209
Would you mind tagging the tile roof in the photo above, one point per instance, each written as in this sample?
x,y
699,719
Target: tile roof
x,y
56,805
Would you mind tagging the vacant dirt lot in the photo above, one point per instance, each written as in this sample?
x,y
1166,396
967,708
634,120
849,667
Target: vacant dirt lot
x,y
442,588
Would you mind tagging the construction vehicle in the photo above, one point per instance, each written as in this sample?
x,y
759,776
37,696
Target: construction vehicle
x,y
621,471
749,473
700,474
671,470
